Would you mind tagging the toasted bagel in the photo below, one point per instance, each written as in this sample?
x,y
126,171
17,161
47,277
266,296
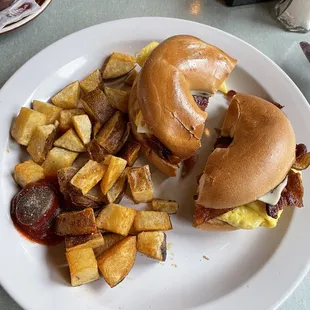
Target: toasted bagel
x,y
163,92
258,159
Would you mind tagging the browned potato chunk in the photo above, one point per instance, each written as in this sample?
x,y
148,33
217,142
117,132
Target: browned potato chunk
x,y
91,82
97,106
116,262
56,159
151,221
118,65
41,142
70,141
52,112
96,151
85,241
130,152
152,244
116,192
73,194
169,206
68,97
115,168
65,118
28,172
76,223
109,240
88,176
110,137
118,98
116,218
82,127
131,77
140,182
96,128
25,124
83,266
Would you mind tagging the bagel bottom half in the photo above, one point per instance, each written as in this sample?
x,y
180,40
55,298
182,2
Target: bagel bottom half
x,y
163,165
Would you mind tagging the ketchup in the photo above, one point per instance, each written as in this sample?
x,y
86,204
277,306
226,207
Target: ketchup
x,y
34,209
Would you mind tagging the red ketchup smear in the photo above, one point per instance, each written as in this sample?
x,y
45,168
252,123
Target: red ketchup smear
x,y
34,209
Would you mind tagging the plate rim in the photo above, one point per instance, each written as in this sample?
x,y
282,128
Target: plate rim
x,y
303,272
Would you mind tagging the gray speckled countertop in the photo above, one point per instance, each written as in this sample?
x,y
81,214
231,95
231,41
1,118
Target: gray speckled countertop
x,y
253,23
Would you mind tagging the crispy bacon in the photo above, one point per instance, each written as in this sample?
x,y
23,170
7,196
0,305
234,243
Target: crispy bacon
x,y
278,105
203,214
188,165
201,101
161,150
301,150
291,196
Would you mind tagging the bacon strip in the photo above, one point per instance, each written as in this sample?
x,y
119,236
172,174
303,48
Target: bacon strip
x,y
203,214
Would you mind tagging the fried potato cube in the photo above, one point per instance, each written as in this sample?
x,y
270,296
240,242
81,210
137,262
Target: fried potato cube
x,y
110,137
116,218
56,159
118,98
152,244
117,191
70,141
28,172
118,65
96,128
73,194
65,118
145,52
88,176
115,168
97,106
91,241
116,262
82,127
151,221
83,266
131,77
25,124
96,151
109,239
130,152
68,97
169,206
41,142
51,111
91,82
76,223
140,182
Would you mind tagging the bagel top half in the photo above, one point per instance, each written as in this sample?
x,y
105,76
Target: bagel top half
x,y
163,92
259,158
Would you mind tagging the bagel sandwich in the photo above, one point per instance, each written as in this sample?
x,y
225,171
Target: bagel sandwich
x,y
254,172
165,117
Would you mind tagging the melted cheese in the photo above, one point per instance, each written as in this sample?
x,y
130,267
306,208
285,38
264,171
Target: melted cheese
x,y
141,125
274,195
249,216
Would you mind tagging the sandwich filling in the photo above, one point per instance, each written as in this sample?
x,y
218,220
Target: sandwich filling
x,y
265,211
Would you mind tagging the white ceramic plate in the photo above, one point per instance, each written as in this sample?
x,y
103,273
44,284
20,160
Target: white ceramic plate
x,y
246,269
43,3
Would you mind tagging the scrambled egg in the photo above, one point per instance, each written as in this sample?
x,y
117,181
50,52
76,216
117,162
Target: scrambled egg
x,y
145,52
223,88
250,216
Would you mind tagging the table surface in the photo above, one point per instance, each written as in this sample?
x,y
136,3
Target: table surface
x,y
253,23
